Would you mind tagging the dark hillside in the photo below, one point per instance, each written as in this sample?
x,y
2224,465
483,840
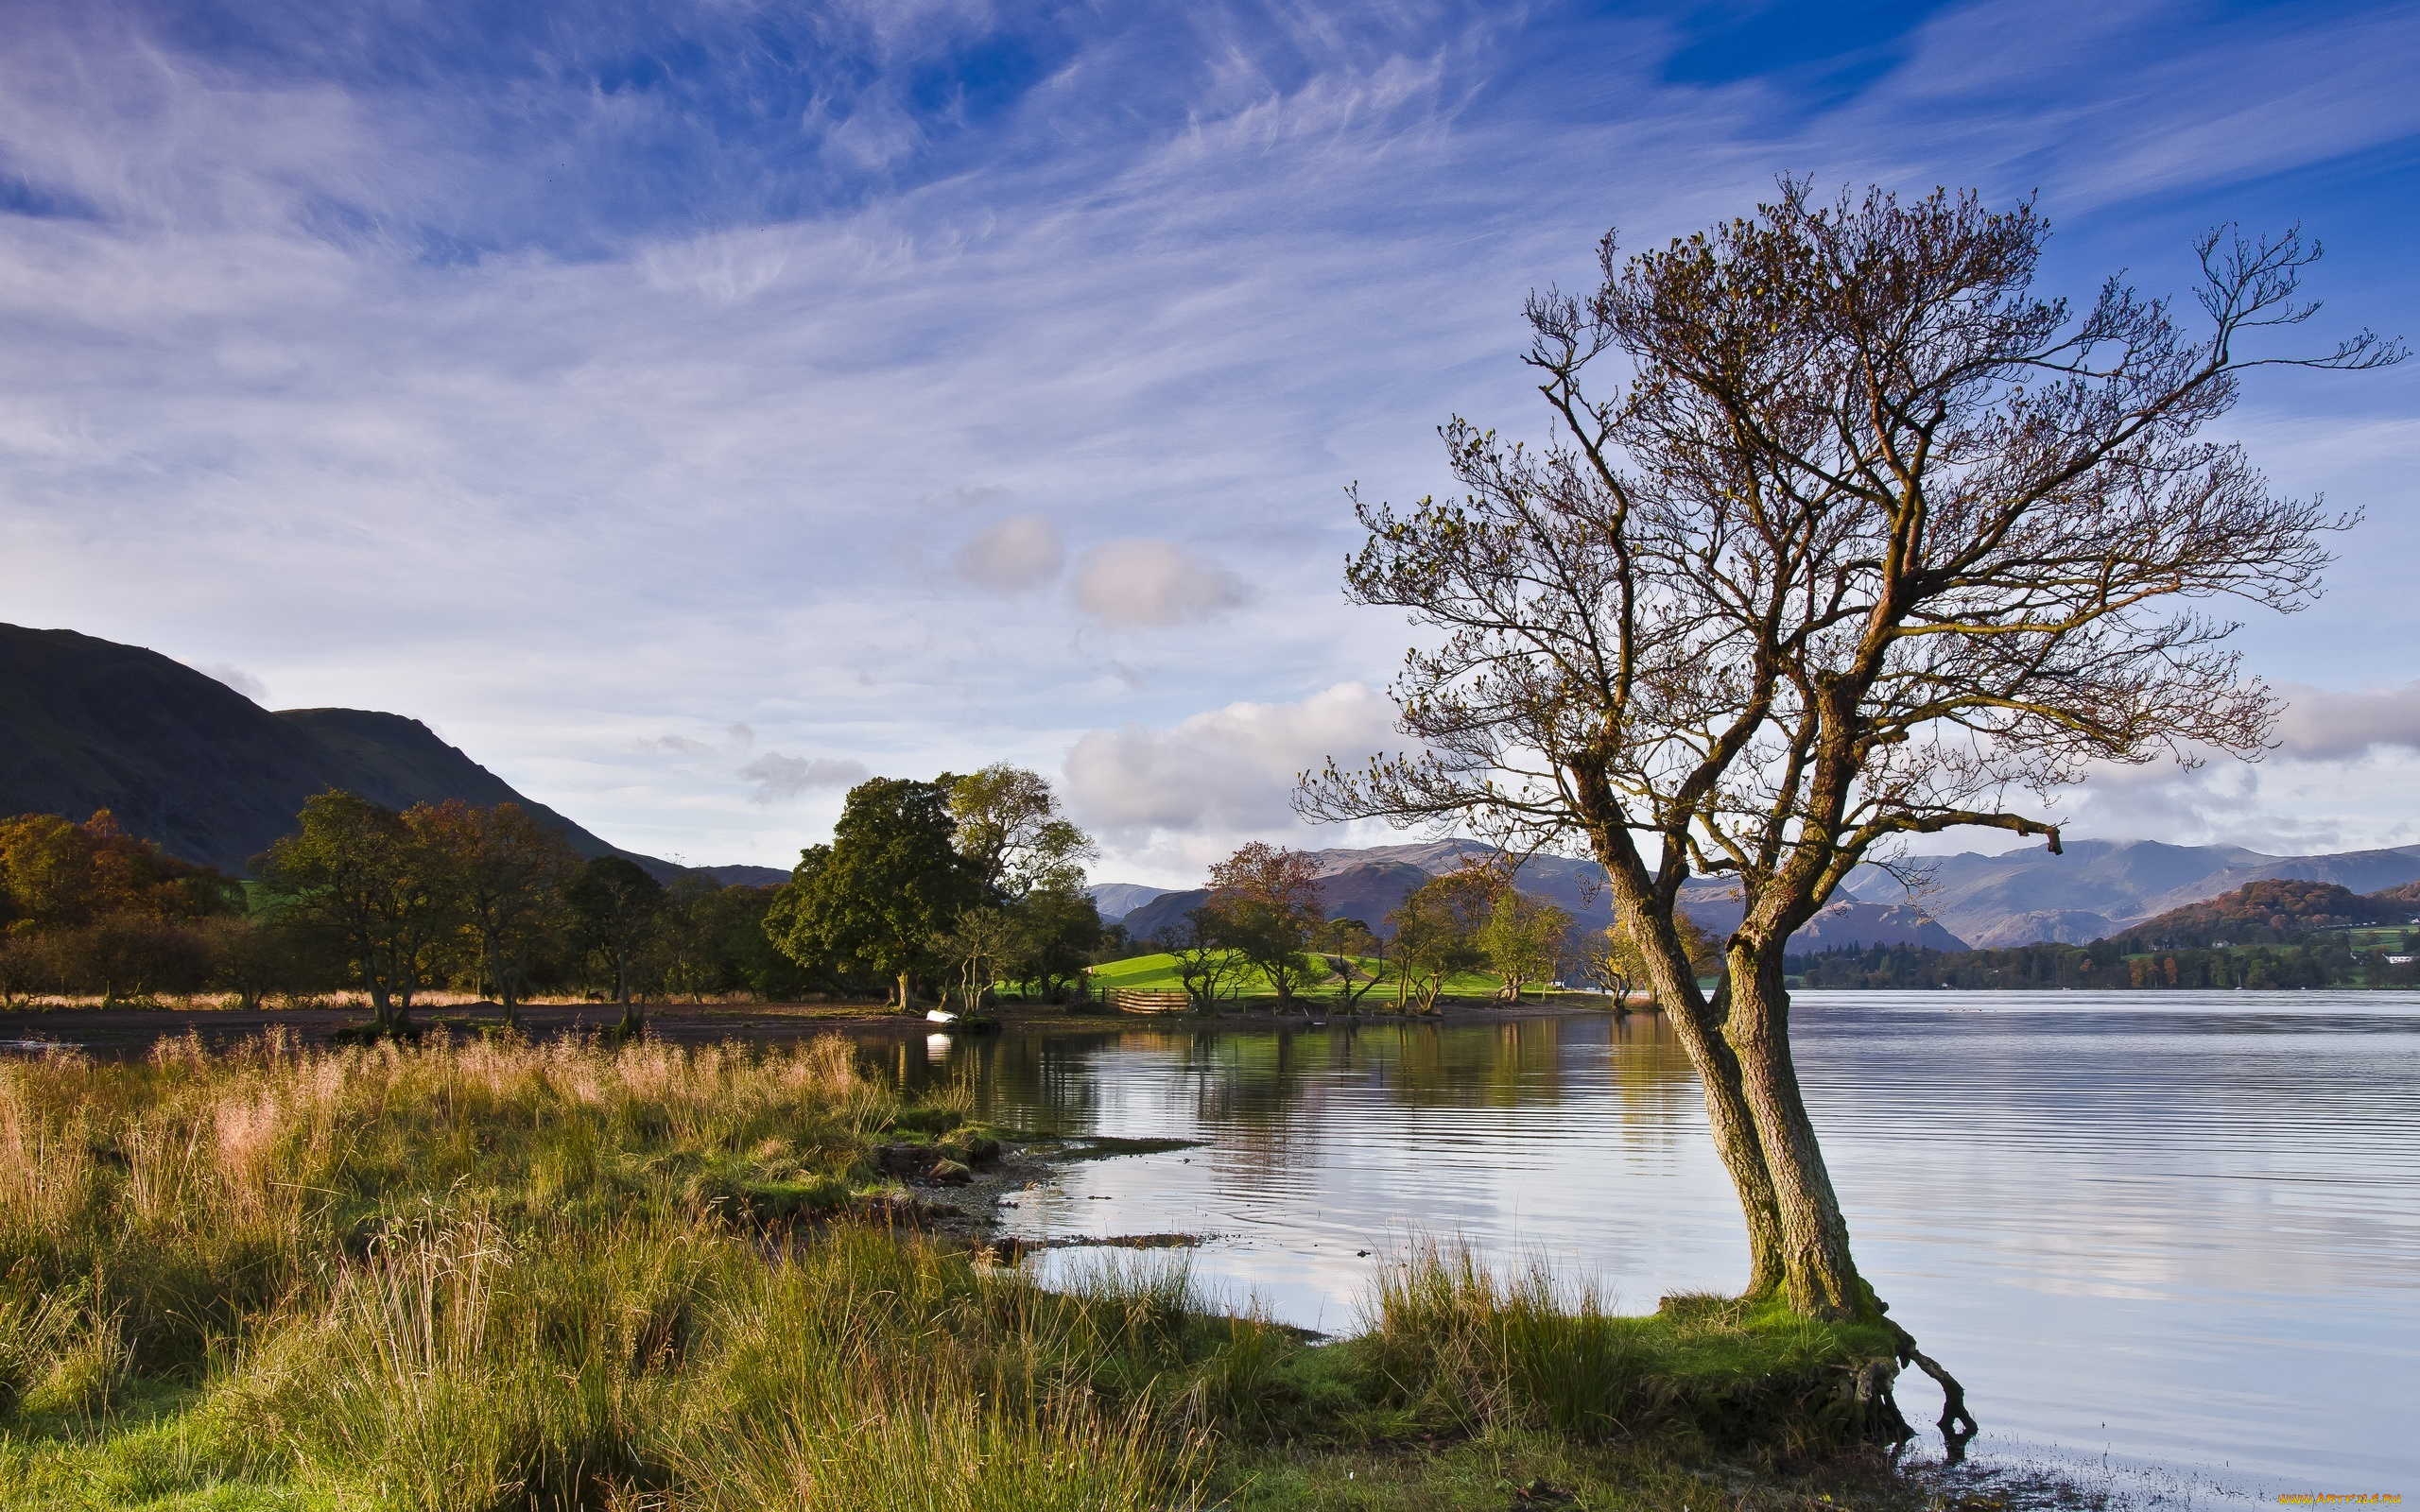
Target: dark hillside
x,y
181,758
1371,891
1163,918
2397,905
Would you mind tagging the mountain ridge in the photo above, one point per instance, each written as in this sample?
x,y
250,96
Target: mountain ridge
x,y
2095,889
2099,888
181,758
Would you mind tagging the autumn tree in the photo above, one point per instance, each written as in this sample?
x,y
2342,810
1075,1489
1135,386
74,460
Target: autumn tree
x,y
354,874
614,907
89,908
1862,537
56,875
254,958
130,957
889,883
1264,904
505,874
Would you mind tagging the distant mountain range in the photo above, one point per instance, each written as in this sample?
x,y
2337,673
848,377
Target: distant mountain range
x,y
1116,900
2103,888
184,760
181,758
2097,888
1372,883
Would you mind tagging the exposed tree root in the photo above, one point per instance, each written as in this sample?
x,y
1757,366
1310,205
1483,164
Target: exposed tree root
x,y
1956,1424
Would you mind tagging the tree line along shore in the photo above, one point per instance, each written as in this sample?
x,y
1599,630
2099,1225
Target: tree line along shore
x,y
984,902
948,891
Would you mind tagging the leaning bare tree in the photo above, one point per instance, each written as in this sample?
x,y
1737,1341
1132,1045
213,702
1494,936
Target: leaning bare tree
x,y
1867,539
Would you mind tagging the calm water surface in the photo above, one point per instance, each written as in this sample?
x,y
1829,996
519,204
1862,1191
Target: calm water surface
x,y
2177,1233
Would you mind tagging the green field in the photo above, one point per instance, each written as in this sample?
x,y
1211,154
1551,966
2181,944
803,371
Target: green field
x,y
1157,974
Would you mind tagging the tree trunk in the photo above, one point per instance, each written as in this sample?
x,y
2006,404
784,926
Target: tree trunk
x,y
382,1011
1728,1115
907,993
1819,1275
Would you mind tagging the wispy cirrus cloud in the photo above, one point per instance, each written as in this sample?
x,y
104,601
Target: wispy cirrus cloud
x,y
580,377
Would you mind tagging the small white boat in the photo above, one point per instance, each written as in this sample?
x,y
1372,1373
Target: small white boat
x,y
941,1016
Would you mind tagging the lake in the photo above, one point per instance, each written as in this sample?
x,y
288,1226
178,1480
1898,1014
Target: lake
x,y
2168,1241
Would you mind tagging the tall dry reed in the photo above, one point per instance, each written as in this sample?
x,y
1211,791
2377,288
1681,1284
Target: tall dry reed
x,y
478,1275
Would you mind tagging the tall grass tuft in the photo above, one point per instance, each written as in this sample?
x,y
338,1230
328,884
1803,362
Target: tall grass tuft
x,y
491,1274
495,1275
1459,1345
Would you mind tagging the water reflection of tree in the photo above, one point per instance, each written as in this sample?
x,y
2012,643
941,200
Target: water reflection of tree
x,y
1271,1097
1651,1076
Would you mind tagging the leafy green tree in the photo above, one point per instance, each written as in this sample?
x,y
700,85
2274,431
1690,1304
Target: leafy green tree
x,y
979,947
1011,830
356,876
505,875
1061,929
888,886
1207,966
1265,904
615,907
1522,937
1357,959
1436,935
693,954
734,921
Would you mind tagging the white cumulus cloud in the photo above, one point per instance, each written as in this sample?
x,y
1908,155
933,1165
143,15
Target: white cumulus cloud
x,y
1230,768
1012,555
1154,582
781,779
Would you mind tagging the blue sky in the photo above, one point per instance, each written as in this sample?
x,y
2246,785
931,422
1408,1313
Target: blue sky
x,y
688,409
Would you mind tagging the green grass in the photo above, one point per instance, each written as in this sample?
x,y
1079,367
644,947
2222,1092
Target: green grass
x,y
493,1276
1159,973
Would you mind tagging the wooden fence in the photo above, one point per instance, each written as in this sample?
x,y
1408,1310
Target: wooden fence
x,y
1138,999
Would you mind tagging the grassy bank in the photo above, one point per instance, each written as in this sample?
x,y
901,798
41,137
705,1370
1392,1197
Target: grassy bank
x,y
1158,972
489,1275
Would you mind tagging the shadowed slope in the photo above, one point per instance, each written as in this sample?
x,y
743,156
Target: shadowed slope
x,y
184,760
